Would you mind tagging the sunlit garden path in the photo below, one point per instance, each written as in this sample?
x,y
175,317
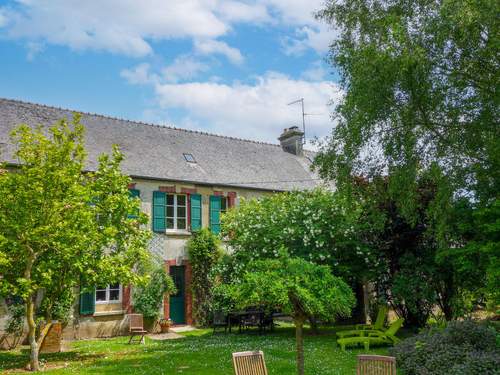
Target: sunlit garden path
x,y
199,352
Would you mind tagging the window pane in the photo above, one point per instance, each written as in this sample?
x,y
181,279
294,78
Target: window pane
x,y
100,295
170,223
181,212
181,200
114,294
181,223
223,204
170,199
114,286
170,211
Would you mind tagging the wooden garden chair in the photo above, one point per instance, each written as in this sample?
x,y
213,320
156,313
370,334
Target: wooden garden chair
x,y
249,363
136,328
376,365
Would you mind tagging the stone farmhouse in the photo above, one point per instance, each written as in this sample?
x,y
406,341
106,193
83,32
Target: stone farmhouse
x,y
184,179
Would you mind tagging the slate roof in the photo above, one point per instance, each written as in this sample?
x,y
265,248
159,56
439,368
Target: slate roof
x,y
156,152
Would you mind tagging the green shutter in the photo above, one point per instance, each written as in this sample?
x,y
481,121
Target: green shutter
x,y
134,193
215,213
195,212
159,203
87,302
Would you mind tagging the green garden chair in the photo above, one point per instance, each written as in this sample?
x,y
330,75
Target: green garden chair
x,y
377,326
367,338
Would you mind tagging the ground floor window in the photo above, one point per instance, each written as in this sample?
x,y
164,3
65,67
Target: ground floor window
x,y
111,293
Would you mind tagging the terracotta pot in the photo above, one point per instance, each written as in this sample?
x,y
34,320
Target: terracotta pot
x,y
165,327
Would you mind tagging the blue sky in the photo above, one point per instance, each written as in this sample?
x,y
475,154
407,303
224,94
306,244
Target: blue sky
x,y
223,66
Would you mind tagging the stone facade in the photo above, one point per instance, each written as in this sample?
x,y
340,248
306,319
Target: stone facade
x,y
111,319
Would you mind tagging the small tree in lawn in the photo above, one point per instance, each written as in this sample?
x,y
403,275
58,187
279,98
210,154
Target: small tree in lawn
x,y
61,226
296,287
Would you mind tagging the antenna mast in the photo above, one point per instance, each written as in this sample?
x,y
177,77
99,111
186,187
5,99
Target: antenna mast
x,y
301,101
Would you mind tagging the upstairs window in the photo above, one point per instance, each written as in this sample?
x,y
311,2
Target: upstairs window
x,y
176,212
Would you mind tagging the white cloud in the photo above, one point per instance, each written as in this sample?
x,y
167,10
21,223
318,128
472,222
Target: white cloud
x,y
128,26
183,68
255,111
241,12
210,46
120,26
317,36
316,72
139,75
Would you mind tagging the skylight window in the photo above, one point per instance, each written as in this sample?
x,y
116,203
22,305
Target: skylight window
x,y
189,158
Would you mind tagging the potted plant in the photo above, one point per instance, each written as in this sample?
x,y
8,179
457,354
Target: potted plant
x,y
148,299
165,325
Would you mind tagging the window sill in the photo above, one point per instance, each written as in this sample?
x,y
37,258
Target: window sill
x,y
174,232
107,313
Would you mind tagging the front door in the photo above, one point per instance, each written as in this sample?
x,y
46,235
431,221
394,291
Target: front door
x,y
177,300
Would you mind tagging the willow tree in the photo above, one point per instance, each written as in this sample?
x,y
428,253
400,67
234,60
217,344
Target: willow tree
x,y
296,287
421,82
61,226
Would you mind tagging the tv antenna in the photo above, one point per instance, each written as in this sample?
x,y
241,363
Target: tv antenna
x,y
304,114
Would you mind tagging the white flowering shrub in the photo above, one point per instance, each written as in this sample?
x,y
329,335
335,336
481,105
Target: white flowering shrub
x,y
319,226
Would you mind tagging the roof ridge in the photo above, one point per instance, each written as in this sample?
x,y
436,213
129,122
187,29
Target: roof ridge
x,y
137,122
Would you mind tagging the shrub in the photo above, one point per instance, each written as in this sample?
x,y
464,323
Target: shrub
x,y
148,299
15,323
204,252
460,348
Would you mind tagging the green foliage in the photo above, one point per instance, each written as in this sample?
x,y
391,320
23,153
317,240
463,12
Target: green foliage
x,y
317,225
204,252
460,348
148,299
15,323
296,287
62,226
421,100
58,308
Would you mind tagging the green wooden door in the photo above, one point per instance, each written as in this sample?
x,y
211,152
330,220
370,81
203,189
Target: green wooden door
x,y
177,301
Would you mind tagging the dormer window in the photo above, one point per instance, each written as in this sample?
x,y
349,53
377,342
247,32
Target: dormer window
x,y
189,158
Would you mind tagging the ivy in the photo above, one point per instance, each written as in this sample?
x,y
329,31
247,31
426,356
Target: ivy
x,y
204,252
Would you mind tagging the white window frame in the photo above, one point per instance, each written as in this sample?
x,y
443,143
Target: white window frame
x,y
107,301
175,217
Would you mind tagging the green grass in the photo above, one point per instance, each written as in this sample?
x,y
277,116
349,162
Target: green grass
x,y
199,353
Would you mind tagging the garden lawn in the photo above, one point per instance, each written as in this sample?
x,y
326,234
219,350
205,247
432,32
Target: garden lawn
x,y
199,353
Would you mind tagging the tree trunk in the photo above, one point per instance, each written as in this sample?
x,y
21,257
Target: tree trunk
x,y
30,317
299,339
366,300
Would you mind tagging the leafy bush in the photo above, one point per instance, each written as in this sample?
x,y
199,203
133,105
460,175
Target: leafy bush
x,y
204,252
460,348
148,299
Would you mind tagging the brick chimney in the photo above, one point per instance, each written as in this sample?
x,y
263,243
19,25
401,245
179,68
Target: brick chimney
x,y
291,140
